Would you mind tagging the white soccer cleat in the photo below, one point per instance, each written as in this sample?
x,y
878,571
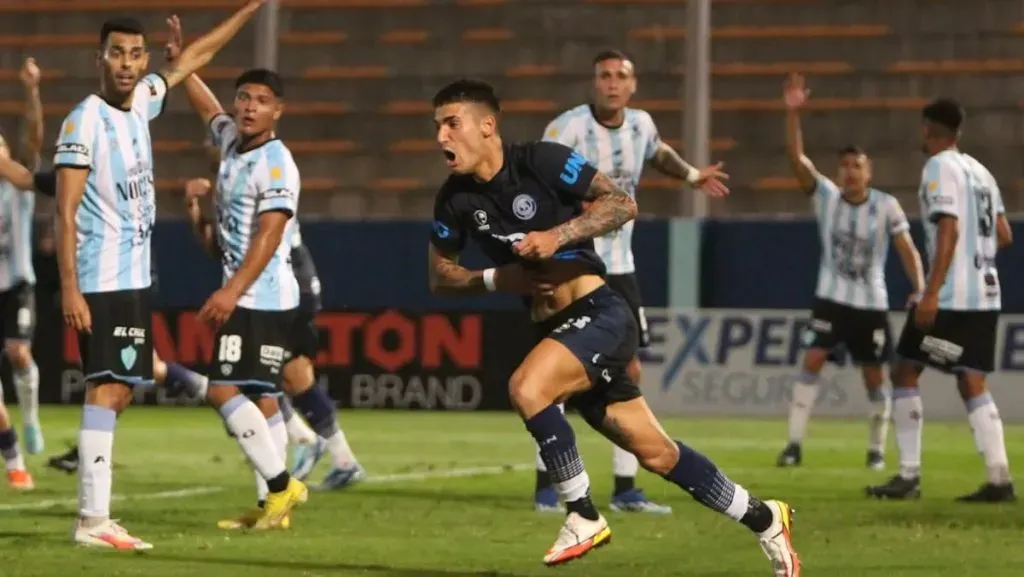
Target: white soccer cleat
x,y
776,542
577,538
108,534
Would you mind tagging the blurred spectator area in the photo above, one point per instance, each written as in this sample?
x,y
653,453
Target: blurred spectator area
x,y
360,74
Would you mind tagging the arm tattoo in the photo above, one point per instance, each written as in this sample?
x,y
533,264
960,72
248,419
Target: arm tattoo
x,y
447,276
614,432
668,162
610,208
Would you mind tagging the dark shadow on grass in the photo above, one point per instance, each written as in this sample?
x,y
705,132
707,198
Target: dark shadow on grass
x,y
339,568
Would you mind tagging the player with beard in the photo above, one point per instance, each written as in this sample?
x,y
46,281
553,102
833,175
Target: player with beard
x,y
619,141
522,204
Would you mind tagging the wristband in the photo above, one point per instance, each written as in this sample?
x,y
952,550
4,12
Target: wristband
x,y
692,175
489,280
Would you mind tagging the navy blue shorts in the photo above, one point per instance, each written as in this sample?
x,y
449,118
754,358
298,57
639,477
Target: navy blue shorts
x,y
601,332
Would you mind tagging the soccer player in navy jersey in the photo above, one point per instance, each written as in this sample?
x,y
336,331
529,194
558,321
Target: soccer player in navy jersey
x,y
522,204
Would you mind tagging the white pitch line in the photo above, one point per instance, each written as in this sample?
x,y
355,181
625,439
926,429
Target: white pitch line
x,y
182,493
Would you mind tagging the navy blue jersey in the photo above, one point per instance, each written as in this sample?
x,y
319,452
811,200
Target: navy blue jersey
x,y
540,186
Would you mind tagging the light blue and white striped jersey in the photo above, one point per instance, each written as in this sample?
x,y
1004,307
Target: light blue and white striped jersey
x,y
115,219
250,183
620,153
16,217
855,245
957,185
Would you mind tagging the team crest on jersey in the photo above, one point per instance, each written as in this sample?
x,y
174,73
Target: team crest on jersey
x,y
69,127
480,218
524,207
275,173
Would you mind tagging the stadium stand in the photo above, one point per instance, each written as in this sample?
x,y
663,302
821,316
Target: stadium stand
x,y
360,74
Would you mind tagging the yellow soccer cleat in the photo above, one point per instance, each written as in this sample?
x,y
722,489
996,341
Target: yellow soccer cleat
x,y
248,519
279,506
777,543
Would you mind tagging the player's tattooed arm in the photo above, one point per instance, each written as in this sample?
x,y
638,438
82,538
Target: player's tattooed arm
x,y
202,51
32,131
610,208
668,162
449,278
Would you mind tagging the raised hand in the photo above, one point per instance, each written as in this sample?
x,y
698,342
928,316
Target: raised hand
x,y
795,92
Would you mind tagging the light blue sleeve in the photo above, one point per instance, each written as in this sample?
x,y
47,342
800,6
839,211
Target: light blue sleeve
x,y
652,140
560,130
150,95
939,189
77,138
280,190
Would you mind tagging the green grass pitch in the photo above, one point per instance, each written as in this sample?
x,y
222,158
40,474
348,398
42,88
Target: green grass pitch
x,y
176,474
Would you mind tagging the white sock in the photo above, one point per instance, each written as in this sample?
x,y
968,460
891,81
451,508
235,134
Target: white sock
x,y
95,451
249,427
624,463
261,487
988,432
908,419
740,503
298,431
805,394
339,450
878,420
26,383
540,462
279,433
575,488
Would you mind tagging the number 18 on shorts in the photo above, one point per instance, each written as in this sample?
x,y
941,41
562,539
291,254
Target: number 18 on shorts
x,y
251,349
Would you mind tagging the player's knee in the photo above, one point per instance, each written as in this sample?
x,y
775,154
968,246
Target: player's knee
x,y
971,385
526,393
113,396
19,353
814,359
634,371
659,456
904,375
873,376
298,376
218,395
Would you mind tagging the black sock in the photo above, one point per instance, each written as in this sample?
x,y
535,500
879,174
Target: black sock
x,y
623,485
758,517
261,503
278,483
584,508
543,481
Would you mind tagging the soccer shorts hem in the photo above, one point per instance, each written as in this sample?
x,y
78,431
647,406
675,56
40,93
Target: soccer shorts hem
x,y
120,348
250,348
958,341
600,331
304,337
18,310
629,289
864,333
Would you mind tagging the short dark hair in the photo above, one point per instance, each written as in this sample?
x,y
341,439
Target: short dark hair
x,y
467,90
122,24
945,112
611,54
264,76
851,149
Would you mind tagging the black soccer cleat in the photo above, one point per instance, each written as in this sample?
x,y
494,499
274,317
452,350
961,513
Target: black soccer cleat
x,y
991,493
896,488
67,462
791,456
875,460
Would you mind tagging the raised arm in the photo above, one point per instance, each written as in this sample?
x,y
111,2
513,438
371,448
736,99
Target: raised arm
x,y
795,96
202,51
32,130
200,97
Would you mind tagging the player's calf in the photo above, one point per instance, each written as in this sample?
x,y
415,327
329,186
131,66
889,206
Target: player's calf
x,y
987,426
878,418
908,422
26,384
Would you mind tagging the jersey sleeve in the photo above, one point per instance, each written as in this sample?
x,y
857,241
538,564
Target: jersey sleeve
x,y
77,139
446,233
896,219
150,95
940,190
652,139
223,131
561,130
824,189
279,189
562,168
